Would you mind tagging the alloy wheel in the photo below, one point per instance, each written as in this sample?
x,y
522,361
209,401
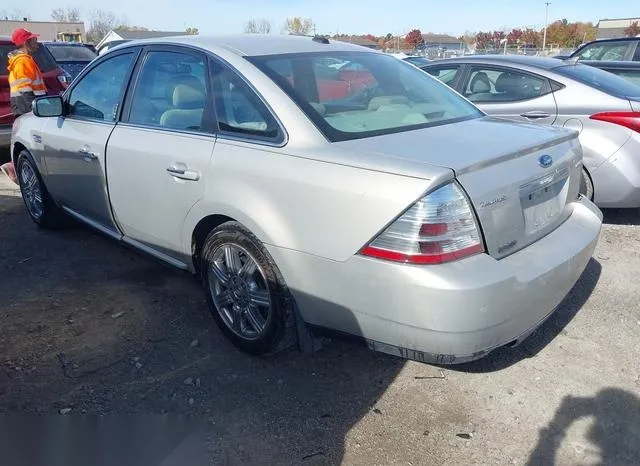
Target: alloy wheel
x,y
239,291
31,190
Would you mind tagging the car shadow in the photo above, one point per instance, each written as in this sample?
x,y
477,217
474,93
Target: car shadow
x,y
615,430
505,357
621,216
90,327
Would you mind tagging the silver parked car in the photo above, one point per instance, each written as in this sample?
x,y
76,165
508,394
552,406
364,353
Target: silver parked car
x,y
602,107
369,199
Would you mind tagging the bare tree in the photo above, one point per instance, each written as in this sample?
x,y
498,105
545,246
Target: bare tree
x,y
192,31
68,15
261,26
101,23
299,26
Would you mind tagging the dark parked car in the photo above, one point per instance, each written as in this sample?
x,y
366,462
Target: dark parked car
x,y
71,57
55,79
624,49
629,70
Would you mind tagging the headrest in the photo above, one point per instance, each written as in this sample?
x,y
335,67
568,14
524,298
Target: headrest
x,y
185,79
509,82
480,83
377,102
187,97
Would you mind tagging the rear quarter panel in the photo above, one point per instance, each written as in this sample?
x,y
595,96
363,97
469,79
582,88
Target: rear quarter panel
x,y
325,209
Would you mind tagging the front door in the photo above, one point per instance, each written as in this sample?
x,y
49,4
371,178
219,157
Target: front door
x,y
76,169
511,93
159,156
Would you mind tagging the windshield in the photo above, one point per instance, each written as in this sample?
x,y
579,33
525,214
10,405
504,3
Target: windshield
x,y
601,80
71,52
351,95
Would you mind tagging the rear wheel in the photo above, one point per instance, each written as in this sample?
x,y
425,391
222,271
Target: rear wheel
x,y
40,206
246,292
586,185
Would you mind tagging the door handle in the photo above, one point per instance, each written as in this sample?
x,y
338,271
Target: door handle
x,y
181,171
535,115
88,155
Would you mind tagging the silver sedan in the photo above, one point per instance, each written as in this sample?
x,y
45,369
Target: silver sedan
x,y
602,107
368,199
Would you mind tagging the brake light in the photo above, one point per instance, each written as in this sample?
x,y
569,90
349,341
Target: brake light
x,y
440,227
64,79
629,120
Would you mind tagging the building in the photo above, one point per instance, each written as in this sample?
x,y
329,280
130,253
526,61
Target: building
x,y
126,34
442,45
48,30
357,40
612,28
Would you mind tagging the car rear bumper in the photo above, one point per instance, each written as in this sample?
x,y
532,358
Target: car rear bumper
x,y
448,313
616,181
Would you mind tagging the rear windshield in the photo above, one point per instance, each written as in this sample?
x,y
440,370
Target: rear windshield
x,y
351,95
600,79
71,52
43,58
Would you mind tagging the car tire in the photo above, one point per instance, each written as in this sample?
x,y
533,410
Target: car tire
x,y
40,206
239,278
586,185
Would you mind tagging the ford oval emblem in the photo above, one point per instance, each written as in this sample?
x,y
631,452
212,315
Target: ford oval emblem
x,y
545,161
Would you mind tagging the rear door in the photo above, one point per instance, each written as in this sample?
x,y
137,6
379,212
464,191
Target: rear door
x,y
160,154
510,93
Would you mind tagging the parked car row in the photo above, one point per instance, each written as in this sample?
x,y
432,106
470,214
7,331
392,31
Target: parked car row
x,y
603,108
396,211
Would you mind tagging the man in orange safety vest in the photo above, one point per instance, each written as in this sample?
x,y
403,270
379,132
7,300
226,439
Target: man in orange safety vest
x,y
25,80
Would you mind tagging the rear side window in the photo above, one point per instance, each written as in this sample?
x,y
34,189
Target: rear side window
x,y
504,85
633,76
599,79
239,110
43,58
171,92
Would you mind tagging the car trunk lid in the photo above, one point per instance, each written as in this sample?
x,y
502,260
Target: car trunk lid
x,y
520,178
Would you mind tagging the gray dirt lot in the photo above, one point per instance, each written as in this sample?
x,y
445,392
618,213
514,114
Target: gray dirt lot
x,y
89,325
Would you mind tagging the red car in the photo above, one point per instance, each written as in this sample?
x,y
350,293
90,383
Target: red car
x,y
55,79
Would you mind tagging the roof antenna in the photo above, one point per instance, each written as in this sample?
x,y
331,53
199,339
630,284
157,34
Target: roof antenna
x,y
320,39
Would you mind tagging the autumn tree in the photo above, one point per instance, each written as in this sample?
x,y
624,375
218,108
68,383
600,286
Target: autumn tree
x,y
514,36
192,31
414,38
66,15
531,36
633,30
298,26
258,26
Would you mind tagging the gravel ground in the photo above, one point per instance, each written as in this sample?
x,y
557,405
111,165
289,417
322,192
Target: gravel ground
x,y
89,326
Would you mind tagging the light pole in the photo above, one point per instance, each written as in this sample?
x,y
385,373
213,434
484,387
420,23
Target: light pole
x,y
546,20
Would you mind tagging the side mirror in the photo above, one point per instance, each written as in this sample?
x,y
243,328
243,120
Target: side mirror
x,y
49,106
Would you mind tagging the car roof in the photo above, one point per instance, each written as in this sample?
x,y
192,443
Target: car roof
x,y
256,44
69,44
538,62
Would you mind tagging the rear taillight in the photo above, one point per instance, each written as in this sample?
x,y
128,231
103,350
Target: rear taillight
x,y
440,227
629,120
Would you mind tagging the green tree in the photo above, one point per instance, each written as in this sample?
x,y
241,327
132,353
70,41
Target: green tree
x,y
192,31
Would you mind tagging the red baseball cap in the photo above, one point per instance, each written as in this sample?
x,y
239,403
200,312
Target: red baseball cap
x,y
21,36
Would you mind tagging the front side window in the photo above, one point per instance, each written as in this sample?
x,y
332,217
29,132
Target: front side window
x,y
170,92
369,94
447,74
499,85
239,110
97,94
604,51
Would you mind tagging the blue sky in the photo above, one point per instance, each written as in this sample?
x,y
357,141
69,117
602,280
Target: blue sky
x,y
345,16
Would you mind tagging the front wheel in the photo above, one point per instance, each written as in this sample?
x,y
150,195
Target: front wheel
x,y
40,206
246,292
